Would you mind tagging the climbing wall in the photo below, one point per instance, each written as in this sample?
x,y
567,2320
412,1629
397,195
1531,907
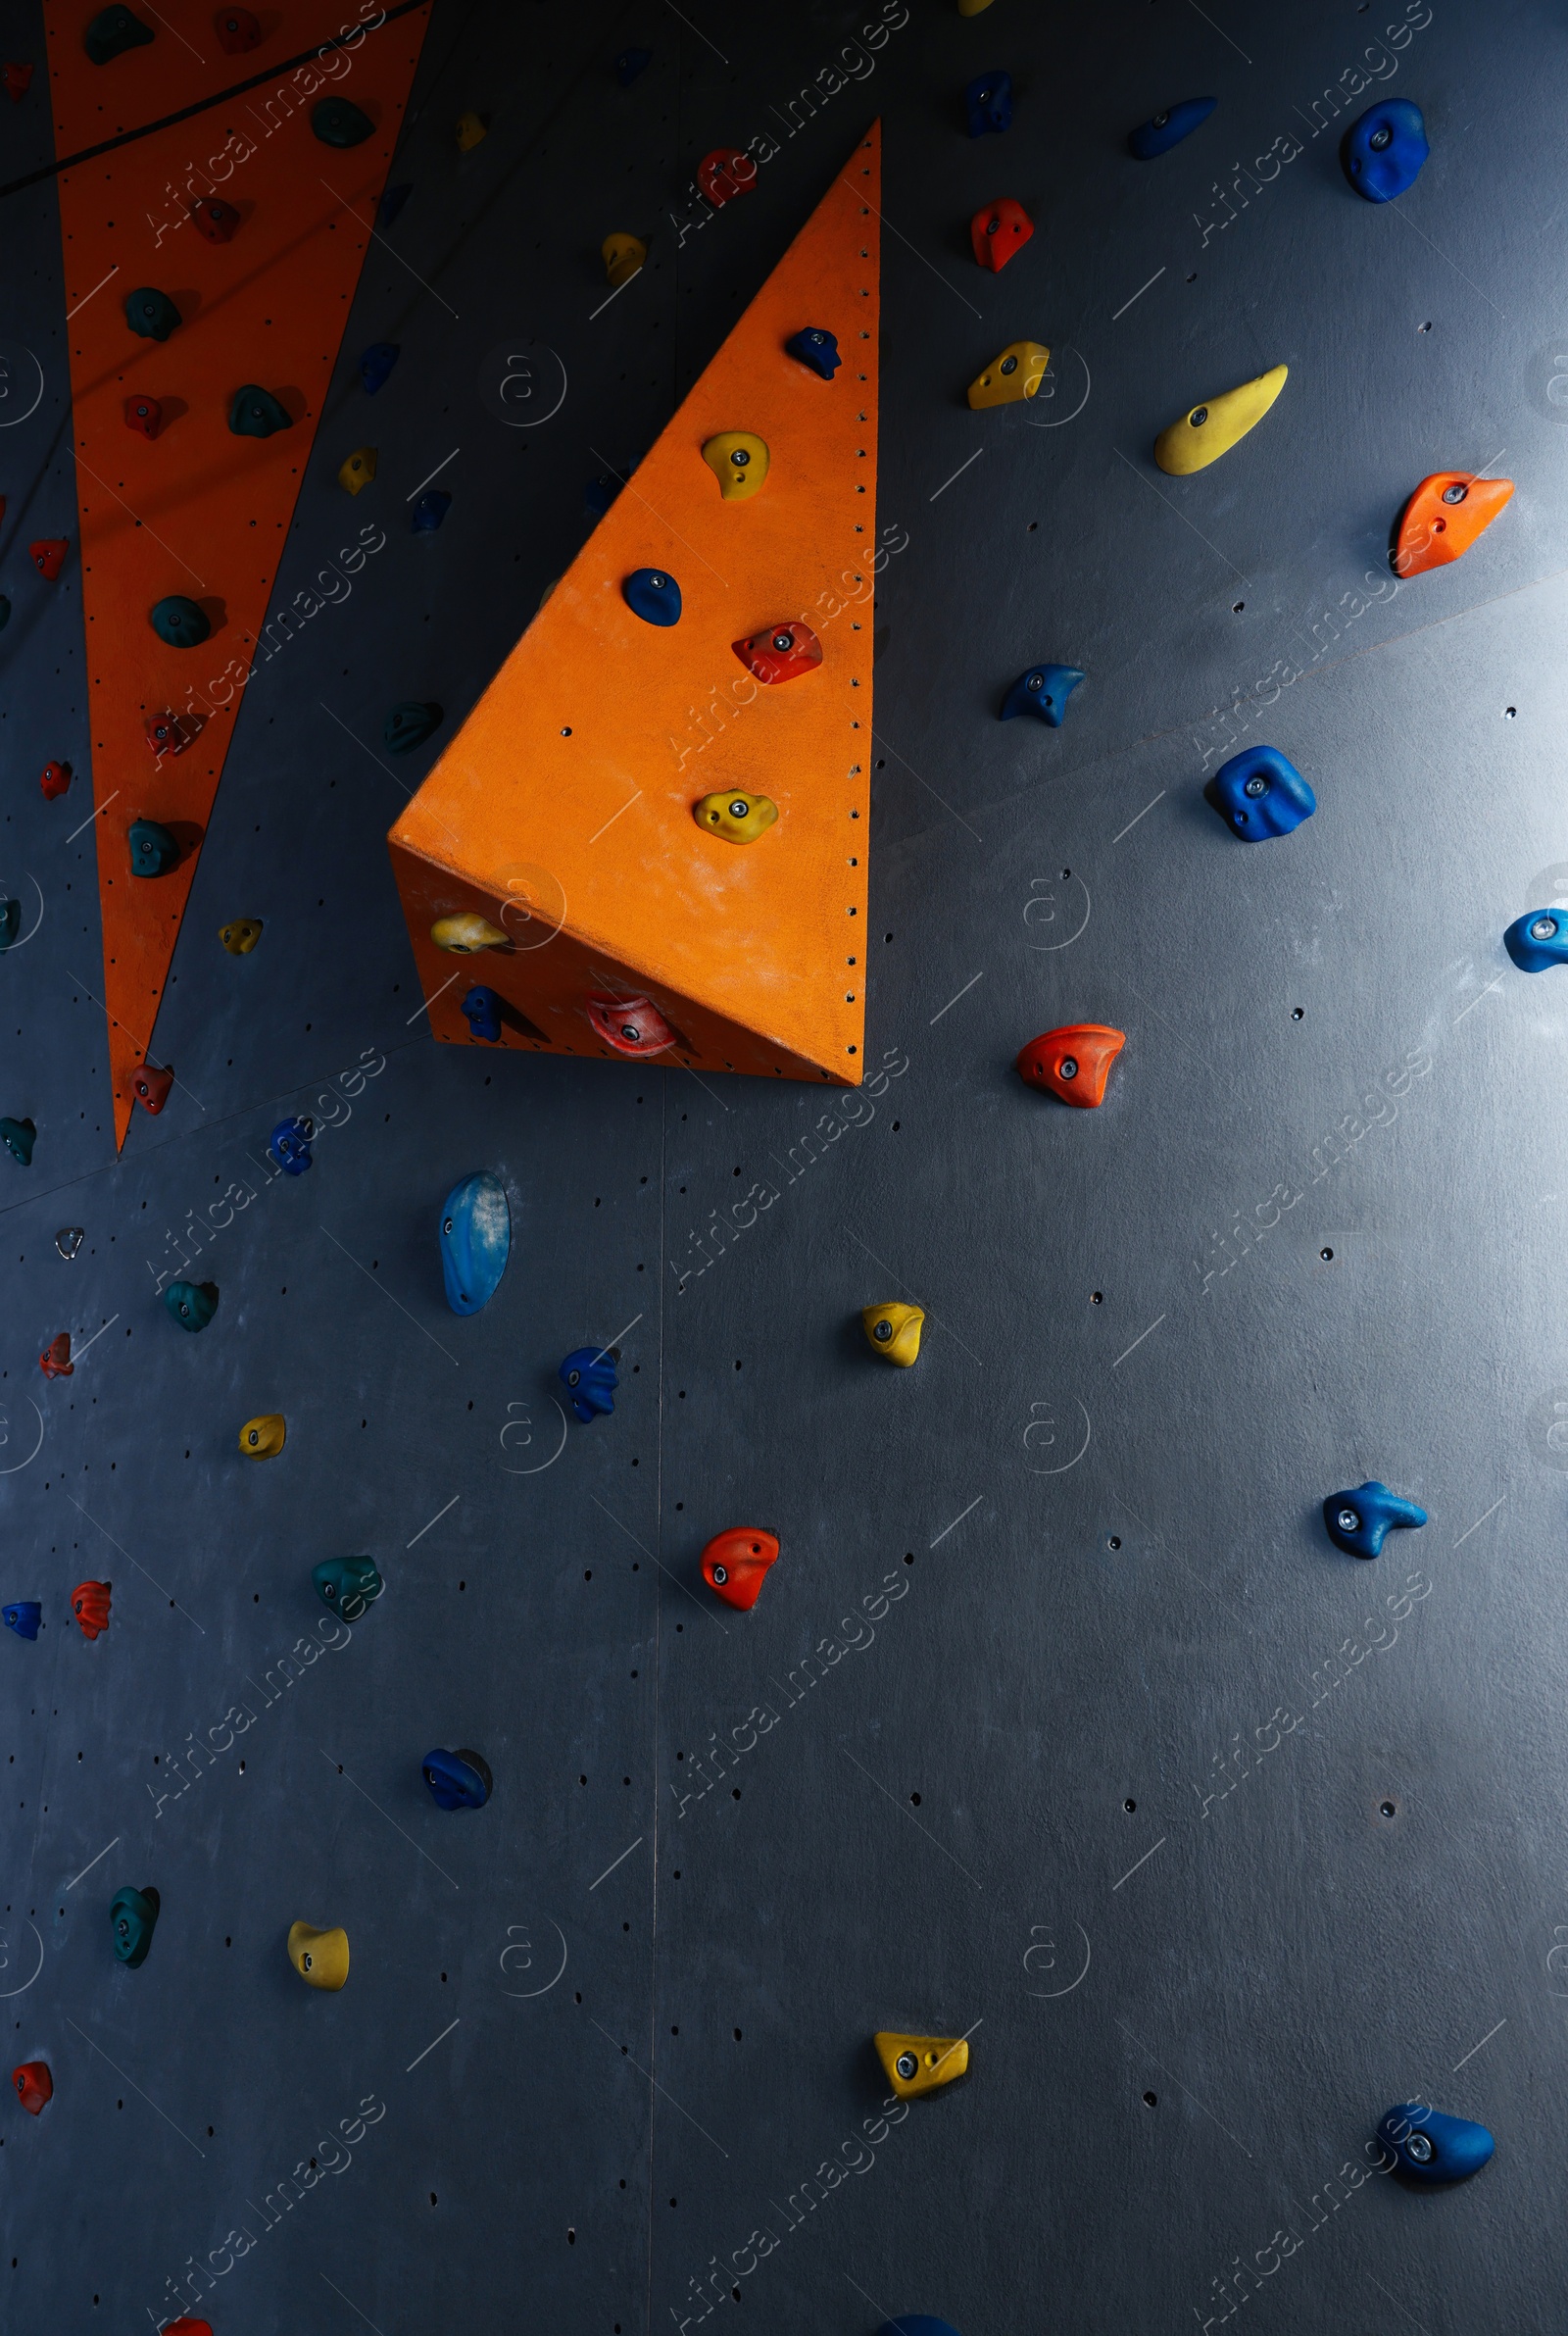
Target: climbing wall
x,y
1070,1741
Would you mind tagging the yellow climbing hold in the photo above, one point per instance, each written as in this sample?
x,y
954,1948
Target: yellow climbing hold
x,y
738,460
471,133
894,1331
320,1957
260,1439
973,7
359,469
623,256
467,934
1206,432
739,818
240,937
1016,374
917,2064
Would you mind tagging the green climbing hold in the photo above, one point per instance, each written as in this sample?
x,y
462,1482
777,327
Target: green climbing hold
x,y
151,313
337,123
255,413
112,32
180,622
153,850
191,1303
18,1135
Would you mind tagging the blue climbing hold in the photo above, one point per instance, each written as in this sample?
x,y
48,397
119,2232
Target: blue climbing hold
x,y
652,594
1262,795
1044,692
392,203
1382,152
817,348
346,1586
1538,940
476,1241
375,365
589,1375
458,1780
290,1145
1433,2146
630,62
989,102
1359,1520
429,510
599,494
482,1007
23,1616
191,1303
1158,136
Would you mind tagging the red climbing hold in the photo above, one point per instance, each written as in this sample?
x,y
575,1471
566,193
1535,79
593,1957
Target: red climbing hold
x,y
48,555
237,31
55,1361
214,219
17,78
144,414
783,653
998,229
1074,1063
54,778
187,2327
735,1565
725,174
170,733
631,1025
151,1086
34,2085
89,1603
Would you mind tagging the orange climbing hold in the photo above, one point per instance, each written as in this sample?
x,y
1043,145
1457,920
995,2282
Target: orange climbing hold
x,y
270,306
1073,1063
560,813
1444,518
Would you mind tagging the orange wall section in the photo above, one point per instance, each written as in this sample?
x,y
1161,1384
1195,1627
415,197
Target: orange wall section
x,y
198,511
562,809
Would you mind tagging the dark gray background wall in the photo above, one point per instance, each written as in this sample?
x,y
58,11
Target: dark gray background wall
x,y
1216,1841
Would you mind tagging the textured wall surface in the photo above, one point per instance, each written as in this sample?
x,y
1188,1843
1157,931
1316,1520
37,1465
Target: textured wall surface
x,y
1215,1841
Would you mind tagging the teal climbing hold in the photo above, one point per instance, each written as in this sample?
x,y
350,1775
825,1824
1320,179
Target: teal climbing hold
x,y
131,1916
409,724
337,123
346,1586
191,1303
112,32
153,850
151,314
179,621
18,1135
255,413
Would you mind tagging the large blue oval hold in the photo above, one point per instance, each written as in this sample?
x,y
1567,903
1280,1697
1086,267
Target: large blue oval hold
x,y
1262,794
1432,2147
476,1241
1382,152
1538,940
1152,138
652,594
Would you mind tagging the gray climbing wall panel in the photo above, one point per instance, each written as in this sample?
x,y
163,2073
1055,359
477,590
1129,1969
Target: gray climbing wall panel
x,y
1059,1722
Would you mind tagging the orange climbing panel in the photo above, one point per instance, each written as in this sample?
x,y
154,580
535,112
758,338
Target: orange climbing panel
x,y
196,510
564,810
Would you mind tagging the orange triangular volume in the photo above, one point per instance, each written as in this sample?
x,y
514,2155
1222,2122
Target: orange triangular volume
x,y
196,510
562,814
